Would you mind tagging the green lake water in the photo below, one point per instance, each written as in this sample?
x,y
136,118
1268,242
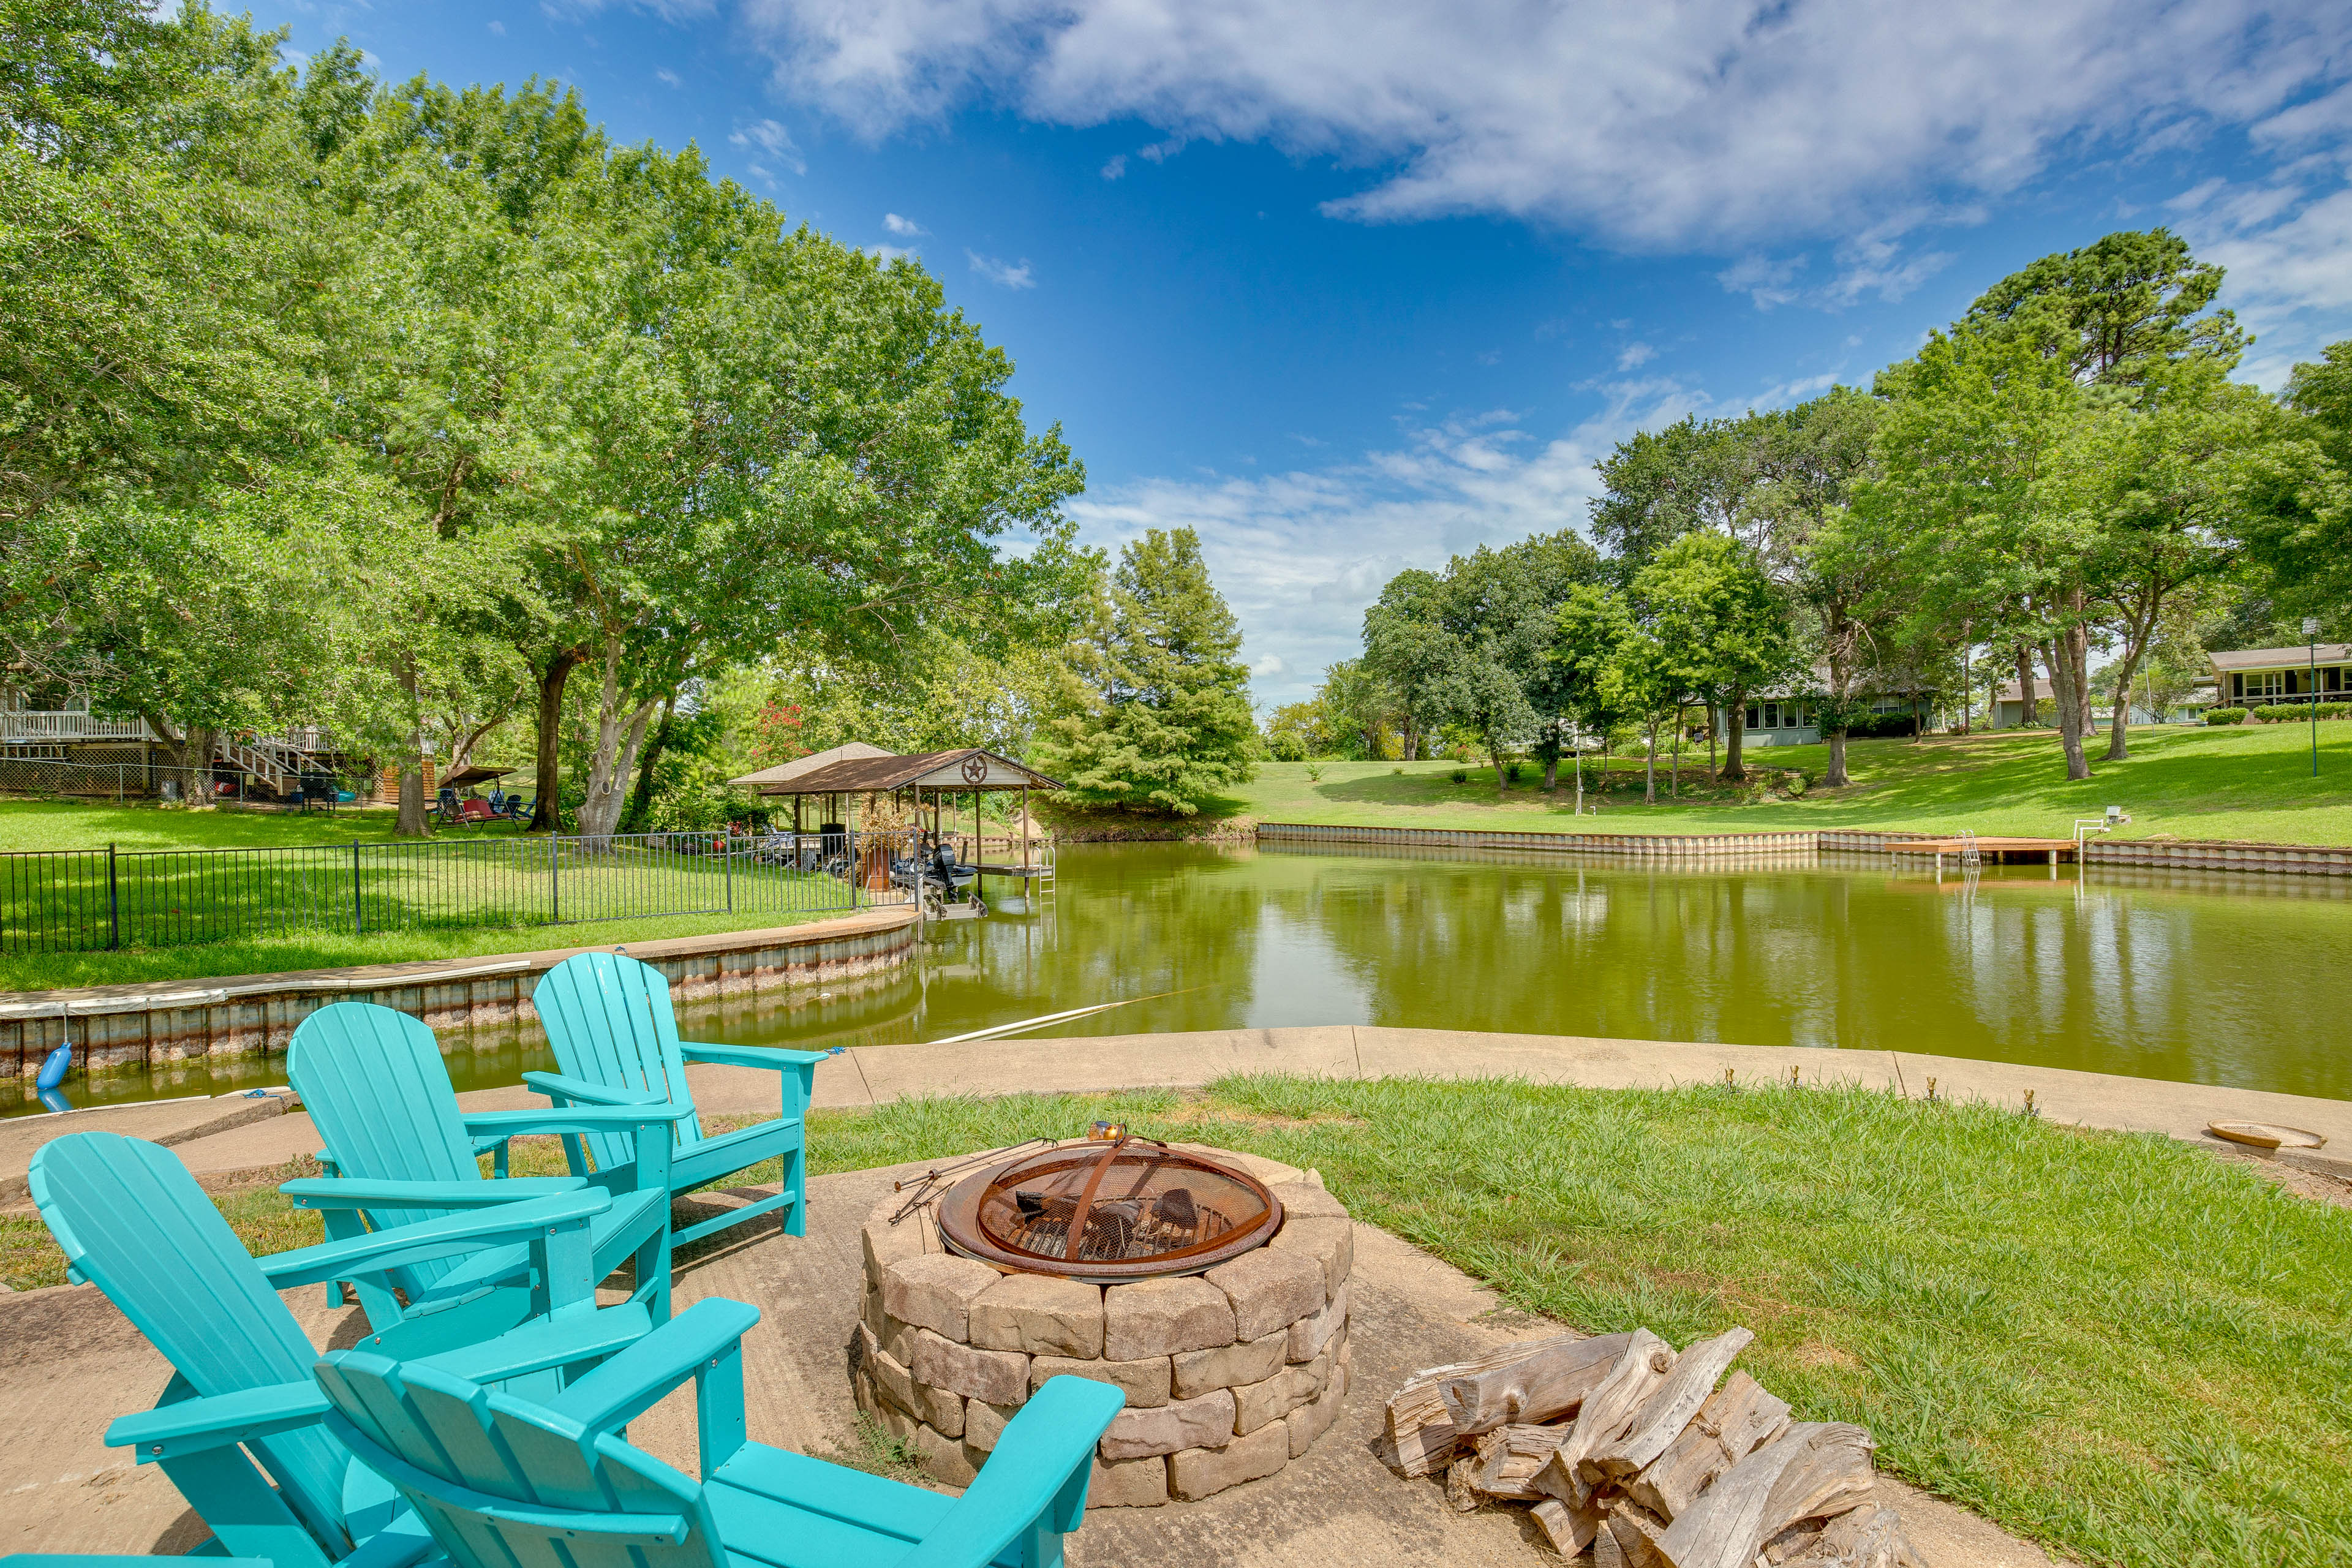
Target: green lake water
x,y
2236,980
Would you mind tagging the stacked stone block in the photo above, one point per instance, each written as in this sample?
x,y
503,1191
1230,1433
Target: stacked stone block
x,y
1229,1375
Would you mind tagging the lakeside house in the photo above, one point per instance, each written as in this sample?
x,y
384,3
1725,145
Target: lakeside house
x,y
52,743
2008,713
1789,716
2252,677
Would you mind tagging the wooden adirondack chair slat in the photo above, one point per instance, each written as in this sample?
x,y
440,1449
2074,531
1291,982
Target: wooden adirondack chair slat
x,y
610,1021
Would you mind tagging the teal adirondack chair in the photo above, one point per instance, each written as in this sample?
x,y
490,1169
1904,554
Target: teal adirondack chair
x,y
133,1222
615,1037
502,1481
403,1151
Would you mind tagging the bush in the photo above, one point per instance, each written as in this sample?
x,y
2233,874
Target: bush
x,y
1881,726
2225,715
1512,773
1459,775
2286,712
1288,747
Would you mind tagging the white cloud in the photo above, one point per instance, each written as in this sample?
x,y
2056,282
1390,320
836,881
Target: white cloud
x,y
669,78
904,227
498,29
1634,355
1004,274
1299,554
1117,168
1722,121
2287,244
774,141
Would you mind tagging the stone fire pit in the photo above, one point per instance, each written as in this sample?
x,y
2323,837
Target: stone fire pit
x,y
1229,1374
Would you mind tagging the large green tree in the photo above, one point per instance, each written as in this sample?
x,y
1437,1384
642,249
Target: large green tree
x,y
1159,718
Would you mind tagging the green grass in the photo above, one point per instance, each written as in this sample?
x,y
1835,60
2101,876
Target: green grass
x,y
2248,782
328,950
2111,1343
75,825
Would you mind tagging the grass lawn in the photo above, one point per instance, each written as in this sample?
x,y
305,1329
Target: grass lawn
x,y
328,950
79,824
2247,781
2110,1343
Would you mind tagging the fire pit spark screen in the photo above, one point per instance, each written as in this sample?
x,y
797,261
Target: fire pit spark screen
x,y
1113,1208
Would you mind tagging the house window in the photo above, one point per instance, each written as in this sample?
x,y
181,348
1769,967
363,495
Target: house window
x,y
2264,683
1756,715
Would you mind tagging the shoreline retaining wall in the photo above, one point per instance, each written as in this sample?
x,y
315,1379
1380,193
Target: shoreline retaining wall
x,y
2168,854
116,1027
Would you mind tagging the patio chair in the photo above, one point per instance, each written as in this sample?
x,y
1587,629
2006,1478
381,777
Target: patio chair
x,y
615,1037
404,1153
241,1405
503,1480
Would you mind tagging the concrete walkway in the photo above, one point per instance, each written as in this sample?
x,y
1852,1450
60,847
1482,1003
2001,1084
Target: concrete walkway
x,y
73,1363
875,1075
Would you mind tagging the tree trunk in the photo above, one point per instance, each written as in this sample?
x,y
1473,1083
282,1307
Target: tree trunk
x,y
1674,767
1495,755
2028,710
413,823
1735,729
641,799
2066,689
2118,745
618,737
1839,680
1650,768
545,817
1411,739
1713,718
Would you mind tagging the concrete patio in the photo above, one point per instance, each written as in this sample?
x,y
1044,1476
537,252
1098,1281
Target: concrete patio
x,y
72,1364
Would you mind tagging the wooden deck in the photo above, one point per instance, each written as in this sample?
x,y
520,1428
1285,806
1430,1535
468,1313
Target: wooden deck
x,y
1995,849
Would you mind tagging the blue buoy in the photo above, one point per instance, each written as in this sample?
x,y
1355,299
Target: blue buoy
x,y
54,1099
54,1070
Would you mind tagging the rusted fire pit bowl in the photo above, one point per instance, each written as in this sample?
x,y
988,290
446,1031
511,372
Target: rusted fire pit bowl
x,y
1230,1373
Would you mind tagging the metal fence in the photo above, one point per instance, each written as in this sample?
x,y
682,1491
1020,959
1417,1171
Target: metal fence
x,y
62,900
53,777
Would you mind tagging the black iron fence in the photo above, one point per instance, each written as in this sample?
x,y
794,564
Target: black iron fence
x,y
62,900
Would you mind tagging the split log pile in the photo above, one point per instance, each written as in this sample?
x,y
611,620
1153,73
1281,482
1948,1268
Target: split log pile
x,y
1625,1448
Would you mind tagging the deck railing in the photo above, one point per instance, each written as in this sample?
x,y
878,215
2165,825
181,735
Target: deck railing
x,y
62,900
18,725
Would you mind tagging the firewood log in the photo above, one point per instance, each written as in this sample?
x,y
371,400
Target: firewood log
x,y
1569,1530
1670,1407
1737,1419
1421,1432
1868,1537
1604,1415
1509,1455
1458,1477
1639,1536
1530,1389
1817,1468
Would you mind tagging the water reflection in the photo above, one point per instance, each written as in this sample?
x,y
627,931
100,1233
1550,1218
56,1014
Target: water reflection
x,y
2207,979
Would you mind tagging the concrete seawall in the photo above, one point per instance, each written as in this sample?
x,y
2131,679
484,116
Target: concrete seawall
x,y
255,1015
2167,854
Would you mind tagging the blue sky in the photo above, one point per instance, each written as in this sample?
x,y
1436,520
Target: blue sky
x,y
1353,286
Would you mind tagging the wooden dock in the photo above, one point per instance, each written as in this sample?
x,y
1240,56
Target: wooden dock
x,y
1995,850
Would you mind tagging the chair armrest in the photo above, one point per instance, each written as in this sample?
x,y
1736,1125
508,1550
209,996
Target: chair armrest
x,y
549,1342
774,1058
193,1426
637,1379
1035,1478
575,1118
503,1226
313,1194
555,1085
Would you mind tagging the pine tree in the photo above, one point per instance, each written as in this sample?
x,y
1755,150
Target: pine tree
x,y
1161,719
